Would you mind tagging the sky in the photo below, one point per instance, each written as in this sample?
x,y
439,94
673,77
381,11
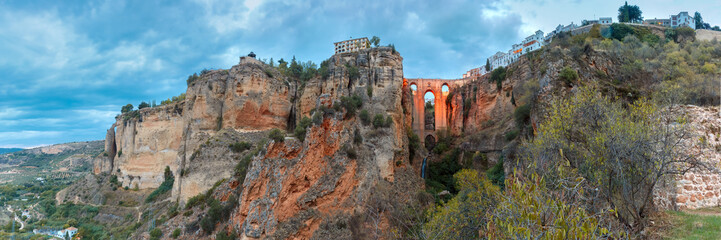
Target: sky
x,y
66,67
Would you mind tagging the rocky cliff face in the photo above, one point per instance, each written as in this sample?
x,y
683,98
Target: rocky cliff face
x,y
242,100
291,187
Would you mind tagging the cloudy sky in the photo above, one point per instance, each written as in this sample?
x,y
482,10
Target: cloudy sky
x,y
66,68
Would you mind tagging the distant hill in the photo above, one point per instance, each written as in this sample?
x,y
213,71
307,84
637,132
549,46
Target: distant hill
x,y
9,150
51,156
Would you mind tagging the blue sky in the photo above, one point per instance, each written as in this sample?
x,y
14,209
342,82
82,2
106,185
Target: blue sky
x,y
66,68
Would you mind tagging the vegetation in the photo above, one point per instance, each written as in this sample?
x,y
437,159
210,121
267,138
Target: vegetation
x,y
695,226
568,75
166,186
498,75
376,41
351,104
175,234
276,135
126,108
378,121
239,147
301,128
365,117
143,105
629,13
217,212
155,233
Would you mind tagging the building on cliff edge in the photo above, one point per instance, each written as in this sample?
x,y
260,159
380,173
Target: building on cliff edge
x,y
352,45
679,20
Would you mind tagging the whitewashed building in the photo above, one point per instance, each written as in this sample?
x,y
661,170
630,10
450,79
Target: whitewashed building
x,y
352,45
679,20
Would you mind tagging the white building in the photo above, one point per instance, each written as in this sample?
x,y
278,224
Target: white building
x,y
352,45
683,19
605,20
679,20
529,44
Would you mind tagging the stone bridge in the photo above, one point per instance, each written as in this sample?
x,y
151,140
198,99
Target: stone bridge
x,y
440,88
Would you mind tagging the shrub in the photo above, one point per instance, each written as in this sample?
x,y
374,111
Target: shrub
x,y
357,137
685,34
240,146
522,114
378,121
353,72
414,142
568,75
369,91
195,201
351,104
512,134
619,31
498,75
318,118
389,121
496,173
191,79
143,105
166,186
114,180
365,117
350,151
126,108
301,129
155,233
223,235
176,233
189,212
276,135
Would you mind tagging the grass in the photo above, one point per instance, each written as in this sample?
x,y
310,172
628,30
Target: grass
x,y
699,224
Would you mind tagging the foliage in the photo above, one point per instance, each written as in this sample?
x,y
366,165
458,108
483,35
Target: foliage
x,y
510,135
621,151
527,210
175,234
465,215
276,135
414,142
318,118
369,91
192,78
353,72
155,233
166,186
351,104
629,13
389,122
440,174
126,108
522,114
496,174
357,137
240,146
143,105
224,235
364,117
174,99
350,151
376,41
323,70
488,65
301,129
498,75
195,201
378,121
568,75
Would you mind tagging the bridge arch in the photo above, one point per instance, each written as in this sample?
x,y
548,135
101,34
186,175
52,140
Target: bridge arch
x,y
440,89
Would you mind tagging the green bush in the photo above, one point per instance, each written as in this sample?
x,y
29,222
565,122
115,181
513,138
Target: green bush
x,y
143,105
512,134
357,137
350,151
276,135
522,114
176,233
166,186
155,233
440,148
240,146
317,118
389,121
224,235
126,108
301,129
351,104
568,75
195,201
369,91
378,121
496,173
364,117
498,75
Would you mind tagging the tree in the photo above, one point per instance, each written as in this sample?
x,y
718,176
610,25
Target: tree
x,y
621,151
716,28
126,108
295,68
376,41
699,20
143,105
488,65
629,13
271,62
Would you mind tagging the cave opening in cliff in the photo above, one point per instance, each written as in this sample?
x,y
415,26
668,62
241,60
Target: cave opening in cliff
x,y
429,110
